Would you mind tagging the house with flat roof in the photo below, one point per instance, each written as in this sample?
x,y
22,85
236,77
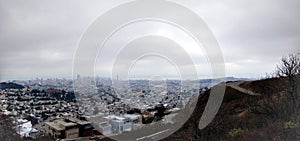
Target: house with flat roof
x,y
62,129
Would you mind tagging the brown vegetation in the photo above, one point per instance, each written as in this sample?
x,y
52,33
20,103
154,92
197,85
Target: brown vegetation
x,y
273,115
246,117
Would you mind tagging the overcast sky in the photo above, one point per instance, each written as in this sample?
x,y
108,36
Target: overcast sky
x,y
39,38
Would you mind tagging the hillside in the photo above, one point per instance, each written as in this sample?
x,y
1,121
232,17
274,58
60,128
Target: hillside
x,y
251,110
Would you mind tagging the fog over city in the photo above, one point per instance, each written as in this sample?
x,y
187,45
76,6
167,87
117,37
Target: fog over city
x,y
39,38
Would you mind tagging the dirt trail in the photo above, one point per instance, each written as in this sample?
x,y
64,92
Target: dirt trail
x,y
235,85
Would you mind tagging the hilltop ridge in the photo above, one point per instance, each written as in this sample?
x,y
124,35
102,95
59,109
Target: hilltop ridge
x,y
4,85
241,116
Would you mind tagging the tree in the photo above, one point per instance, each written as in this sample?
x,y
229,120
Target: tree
x,y
286,104
290,66
7,132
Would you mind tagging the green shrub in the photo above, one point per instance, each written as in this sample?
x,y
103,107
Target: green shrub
x,y
290,125
277,138
236,133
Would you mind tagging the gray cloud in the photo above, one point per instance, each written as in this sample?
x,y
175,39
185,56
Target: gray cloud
x,y
39,38
257,31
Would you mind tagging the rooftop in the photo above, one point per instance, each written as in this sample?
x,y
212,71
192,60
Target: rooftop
x,y
55,126
78,121
60,125
66,124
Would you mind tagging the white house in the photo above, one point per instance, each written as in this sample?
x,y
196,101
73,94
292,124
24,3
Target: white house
x,y
105,128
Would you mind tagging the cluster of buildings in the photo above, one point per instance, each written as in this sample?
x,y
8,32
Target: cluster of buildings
x,y
99,105
39,106
40,83
145,94
33,112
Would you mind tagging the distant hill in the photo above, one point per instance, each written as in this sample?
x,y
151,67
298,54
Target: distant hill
x,y
4,85
225,79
